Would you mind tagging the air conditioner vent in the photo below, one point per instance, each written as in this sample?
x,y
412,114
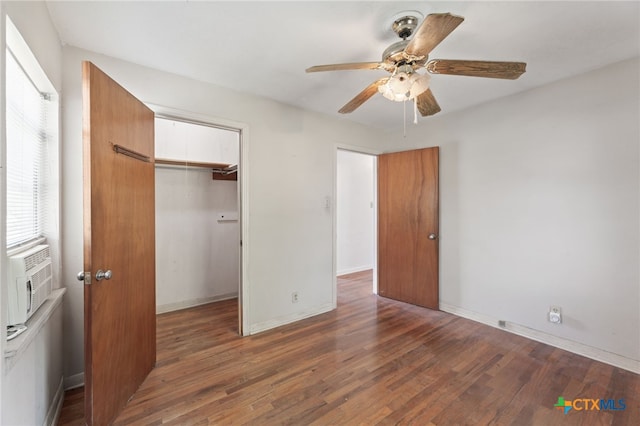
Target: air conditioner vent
x,y
36,256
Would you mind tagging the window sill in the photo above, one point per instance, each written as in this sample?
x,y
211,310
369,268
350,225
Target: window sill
x,y
15,348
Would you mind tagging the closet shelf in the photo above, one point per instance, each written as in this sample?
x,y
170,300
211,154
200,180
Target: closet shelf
x,y
221,171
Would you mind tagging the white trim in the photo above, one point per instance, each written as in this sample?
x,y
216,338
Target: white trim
x,y
170,307
26,246
375,225
27,60
334,233
194,117
4,274
244,299
358,149
539,336
268,325
73,382
53,414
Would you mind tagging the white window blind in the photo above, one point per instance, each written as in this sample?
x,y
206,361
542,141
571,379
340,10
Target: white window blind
x,y
26,146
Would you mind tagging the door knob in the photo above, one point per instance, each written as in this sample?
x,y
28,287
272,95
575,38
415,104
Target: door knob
x,y
80,276
433,236
100,275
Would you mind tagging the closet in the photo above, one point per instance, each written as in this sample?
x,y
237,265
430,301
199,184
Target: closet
x,y
197,221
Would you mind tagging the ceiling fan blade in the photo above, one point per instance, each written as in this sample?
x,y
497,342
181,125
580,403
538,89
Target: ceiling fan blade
x,y
363,96
507,70
349,66
427,104
431,32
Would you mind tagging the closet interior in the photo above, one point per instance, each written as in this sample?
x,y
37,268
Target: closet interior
x,y
197,221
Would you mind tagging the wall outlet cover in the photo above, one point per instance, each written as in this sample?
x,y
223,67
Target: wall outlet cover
x,y
555,315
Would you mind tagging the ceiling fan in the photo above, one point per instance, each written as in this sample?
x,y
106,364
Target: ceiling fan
x,y
404,58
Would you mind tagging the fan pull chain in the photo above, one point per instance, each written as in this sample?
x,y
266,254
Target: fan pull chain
x,y
415,110
404,118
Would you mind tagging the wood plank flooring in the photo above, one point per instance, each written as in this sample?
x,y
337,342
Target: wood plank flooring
x,y
372,361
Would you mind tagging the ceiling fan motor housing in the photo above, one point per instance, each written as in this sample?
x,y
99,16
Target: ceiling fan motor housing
x,y
405,26
393,53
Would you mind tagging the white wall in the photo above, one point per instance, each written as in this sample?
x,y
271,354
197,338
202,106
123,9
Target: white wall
x,y
354,212
37,372
540,207
33,385
288,175
197,256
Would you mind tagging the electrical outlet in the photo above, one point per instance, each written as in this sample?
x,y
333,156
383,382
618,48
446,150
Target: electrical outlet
x,y
294,297
502,323
555,315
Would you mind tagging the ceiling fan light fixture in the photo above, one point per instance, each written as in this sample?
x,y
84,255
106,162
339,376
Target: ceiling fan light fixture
x,y
404,86
400,83
419,84
388,93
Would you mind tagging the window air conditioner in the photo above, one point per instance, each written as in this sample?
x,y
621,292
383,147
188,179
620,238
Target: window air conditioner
x,y
30,282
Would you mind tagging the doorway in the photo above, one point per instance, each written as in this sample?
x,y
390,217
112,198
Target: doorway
x,y
198,221
405,232
356,242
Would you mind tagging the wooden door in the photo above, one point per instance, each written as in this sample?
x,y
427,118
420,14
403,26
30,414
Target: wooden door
x,y
408,226
119,239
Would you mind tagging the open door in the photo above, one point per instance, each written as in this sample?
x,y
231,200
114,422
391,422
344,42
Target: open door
x,y
119,245
408,226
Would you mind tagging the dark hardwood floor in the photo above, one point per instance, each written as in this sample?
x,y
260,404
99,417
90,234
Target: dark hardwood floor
x,y
372,361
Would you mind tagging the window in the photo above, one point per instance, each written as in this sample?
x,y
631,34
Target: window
x,y
31,127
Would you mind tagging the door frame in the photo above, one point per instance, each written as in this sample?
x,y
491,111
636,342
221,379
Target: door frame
x,y
162,111
358,150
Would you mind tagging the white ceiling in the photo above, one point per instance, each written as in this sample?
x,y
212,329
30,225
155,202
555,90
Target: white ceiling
x,y
264,47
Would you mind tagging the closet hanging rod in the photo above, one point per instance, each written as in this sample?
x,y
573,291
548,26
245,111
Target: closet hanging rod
x,y
183,168
183,163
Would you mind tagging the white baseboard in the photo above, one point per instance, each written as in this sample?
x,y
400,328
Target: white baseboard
x,y
268,325
539,336
170,307
353,270
74,381
56,406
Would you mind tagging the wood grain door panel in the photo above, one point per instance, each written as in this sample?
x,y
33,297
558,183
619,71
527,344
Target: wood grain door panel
x,y
407,215
119,235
